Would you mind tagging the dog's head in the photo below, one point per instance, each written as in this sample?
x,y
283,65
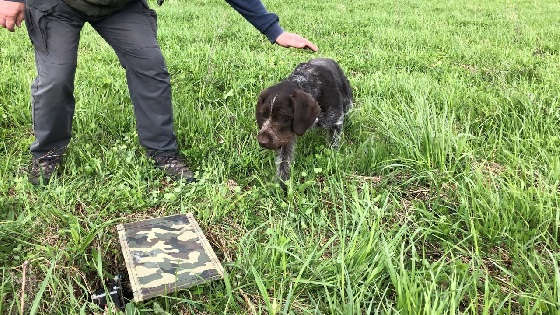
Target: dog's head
x,y
284,111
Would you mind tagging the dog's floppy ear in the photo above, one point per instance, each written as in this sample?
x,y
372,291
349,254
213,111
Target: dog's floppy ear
x,y
306,111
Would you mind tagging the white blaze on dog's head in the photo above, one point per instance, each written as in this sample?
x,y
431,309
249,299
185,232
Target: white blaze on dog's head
x,y
267,122
272,104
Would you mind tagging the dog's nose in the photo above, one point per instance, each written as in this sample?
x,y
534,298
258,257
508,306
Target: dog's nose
x,y
265,140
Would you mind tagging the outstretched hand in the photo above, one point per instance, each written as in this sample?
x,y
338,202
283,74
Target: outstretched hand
x,y
294,40
11,14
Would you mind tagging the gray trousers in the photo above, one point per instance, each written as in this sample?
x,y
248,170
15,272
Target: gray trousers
x,y
54,29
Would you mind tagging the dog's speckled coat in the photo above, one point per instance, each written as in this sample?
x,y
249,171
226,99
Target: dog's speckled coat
x,y
317,93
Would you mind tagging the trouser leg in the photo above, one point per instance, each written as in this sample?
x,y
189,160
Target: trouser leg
x,y
131,32
55,33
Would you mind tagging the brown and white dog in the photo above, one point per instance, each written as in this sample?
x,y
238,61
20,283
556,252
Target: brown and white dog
x,y
317,93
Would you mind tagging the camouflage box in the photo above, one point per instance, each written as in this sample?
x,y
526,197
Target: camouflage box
x,y
166,254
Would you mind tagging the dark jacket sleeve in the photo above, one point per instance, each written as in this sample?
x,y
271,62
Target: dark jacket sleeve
x,y
255,12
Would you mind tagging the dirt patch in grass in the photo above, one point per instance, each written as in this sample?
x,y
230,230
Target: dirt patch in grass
x,y
233,186
329,251
225,237
50,235
375,180
255,304
493,265
417,193
545,52
154,212
433,251
491,168
485,72
32,282
250,301
80,208
403,212
12,192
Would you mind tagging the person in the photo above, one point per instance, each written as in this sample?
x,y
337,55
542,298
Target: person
x,y
129,27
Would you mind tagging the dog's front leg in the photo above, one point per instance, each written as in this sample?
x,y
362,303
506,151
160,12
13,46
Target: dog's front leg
x,y
283,160
334,132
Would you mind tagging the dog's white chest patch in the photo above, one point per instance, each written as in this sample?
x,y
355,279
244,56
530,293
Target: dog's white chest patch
x,y
268,121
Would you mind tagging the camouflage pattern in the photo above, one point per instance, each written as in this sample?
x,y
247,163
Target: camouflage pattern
x,y
167,254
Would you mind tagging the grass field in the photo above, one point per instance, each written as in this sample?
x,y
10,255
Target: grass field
x,y
443,198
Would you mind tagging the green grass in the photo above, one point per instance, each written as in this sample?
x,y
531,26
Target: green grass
x,y
443,198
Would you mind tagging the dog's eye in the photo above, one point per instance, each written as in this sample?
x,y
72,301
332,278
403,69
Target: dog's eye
x,y
283,116
262,113
265,110
286,117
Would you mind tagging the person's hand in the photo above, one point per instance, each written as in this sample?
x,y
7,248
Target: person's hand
x,y
294,40
11,14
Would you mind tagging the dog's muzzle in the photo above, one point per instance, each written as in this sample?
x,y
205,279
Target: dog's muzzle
x,y
266,140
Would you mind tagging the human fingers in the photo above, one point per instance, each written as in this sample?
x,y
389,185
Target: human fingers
x,y
10,23
310,45
20,19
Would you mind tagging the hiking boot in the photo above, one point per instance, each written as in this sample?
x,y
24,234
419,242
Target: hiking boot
x,y
42,168
172,164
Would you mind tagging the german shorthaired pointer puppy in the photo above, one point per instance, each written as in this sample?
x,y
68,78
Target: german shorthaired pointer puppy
x,y
317,93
